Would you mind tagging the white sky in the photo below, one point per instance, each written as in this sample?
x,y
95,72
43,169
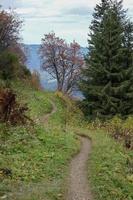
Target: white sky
x,y
69,19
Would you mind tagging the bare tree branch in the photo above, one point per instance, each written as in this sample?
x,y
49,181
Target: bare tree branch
x,y
62,61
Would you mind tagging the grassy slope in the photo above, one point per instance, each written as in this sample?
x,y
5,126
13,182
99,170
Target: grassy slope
x,y
39,155
110,176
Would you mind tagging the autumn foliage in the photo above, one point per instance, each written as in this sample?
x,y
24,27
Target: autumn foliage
x,y
12,51
35,80
9,29
63,61
10,110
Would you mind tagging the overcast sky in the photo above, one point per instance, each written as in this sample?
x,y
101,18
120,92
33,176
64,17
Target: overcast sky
x,y
69,19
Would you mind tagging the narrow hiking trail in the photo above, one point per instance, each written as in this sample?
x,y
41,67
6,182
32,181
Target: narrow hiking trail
x,y
54,110
78,186
46,117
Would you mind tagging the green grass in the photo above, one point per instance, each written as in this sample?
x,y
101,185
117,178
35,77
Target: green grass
x,y
38,156
108,170
110,166
38,101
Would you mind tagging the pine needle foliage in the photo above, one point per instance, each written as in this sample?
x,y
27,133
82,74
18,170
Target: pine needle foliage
x,y
107,82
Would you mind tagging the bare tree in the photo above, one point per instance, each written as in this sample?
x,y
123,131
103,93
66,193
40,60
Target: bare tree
x,y
75,64
62,61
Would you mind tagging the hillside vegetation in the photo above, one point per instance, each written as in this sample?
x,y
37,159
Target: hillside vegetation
x,y
36,156
39,130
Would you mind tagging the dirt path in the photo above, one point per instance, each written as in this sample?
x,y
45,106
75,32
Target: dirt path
x,y
78,183
46,117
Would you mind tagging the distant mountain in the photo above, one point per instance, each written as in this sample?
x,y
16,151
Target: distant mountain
x,y
34,63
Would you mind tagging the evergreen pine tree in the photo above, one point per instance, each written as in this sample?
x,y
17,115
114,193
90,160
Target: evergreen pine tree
x,y
127,107
107,83
98,14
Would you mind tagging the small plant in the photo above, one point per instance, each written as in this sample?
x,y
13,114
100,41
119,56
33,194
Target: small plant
x,y
121,130
116,127
5,172
10,110
35,80
128,132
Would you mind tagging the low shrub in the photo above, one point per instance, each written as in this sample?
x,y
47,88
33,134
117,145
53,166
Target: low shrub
x,y
121,130
10,110
35,80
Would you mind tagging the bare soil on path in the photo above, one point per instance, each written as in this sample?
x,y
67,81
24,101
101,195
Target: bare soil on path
x,y
46,117
79,188
78,183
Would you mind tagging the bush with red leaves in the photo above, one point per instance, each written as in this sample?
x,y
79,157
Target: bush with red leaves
x,y
10,110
